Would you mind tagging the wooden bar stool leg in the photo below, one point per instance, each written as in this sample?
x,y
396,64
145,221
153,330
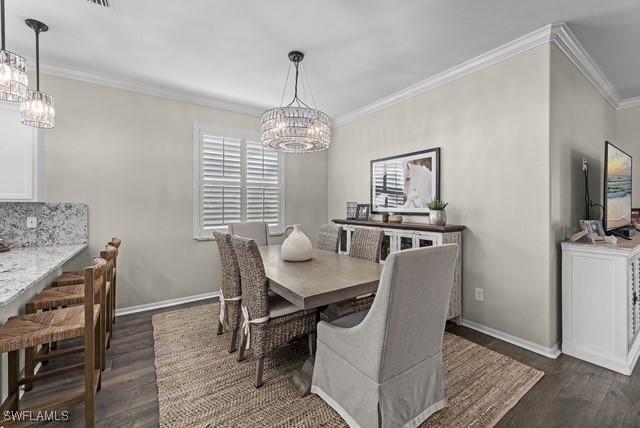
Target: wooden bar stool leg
x,y
14,372
29,367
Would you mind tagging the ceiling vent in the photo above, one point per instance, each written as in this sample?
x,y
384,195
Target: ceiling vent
x,y
103,3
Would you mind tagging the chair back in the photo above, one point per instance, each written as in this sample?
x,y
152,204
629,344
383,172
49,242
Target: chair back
x,y
94,279
257,231
230,270
406,321
366,243
110,255
329,237
253,278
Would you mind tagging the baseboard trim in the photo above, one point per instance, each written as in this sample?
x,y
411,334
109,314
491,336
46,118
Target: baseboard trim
x,y
553,352
165,303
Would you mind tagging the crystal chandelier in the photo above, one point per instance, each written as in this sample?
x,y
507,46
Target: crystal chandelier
x,y
13,70
296,127
38,110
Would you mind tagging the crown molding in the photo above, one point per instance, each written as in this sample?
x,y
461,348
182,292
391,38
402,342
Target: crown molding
x,y
629,103
157,90
559,34
522,44
566,41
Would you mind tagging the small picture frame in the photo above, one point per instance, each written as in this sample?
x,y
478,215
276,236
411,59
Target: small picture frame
x,y
352,210
593,229
363,212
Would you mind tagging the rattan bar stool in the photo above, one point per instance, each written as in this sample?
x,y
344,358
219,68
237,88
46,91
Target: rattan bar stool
x,y
31,330
71,295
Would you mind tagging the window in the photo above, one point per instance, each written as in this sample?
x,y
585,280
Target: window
x,y
235,180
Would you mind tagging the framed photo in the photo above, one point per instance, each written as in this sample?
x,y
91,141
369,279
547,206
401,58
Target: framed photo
x,y
405,184
593,229
363,212
352,210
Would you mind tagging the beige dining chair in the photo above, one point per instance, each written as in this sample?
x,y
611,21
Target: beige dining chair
x,y
258,231
268,320
230,290
329,237
383,368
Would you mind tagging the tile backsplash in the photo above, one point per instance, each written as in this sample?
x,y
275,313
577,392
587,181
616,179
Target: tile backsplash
x,y
57,224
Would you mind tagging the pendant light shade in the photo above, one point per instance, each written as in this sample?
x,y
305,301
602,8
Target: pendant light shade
x,y
13,70
38,109
296,127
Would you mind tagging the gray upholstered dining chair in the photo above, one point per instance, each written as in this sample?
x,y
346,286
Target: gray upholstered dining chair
x,y
384,368
329,237
230,290
268,320
257,231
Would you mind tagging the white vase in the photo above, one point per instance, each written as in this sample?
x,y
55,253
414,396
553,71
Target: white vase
x,y
297,247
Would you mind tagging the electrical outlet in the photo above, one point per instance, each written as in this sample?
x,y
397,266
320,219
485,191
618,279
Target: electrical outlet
x,y
32,222
480,294
585,165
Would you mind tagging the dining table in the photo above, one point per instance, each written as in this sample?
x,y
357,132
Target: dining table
x,y
325,279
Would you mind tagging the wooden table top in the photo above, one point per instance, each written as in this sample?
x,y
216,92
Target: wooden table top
x,y
326,278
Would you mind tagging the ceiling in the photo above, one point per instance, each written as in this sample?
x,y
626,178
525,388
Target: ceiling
x,y
357,51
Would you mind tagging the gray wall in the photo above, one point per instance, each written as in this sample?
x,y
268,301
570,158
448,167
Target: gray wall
x,y
581,120
493,128
128,156
628,138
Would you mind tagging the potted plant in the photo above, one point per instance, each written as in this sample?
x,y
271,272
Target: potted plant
x,y
437,212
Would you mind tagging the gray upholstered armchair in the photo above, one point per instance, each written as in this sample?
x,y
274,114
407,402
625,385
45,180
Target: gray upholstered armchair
x,y
383,368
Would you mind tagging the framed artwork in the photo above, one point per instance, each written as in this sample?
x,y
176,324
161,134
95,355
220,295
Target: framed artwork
x,y
593,230
405,184
363,212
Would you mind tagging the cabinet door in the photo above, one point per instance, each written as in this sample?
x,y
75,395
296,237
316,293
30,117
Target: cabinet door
x,y
388,244
19,162
405,241
425,240
345,240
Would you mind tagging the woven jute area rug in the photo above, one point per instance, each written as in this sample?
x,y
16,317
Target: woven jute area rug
x,y
200,384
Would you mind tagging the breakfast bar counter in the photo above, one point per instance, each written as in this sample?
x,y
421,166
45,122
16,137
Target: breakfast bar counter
x,y
24,268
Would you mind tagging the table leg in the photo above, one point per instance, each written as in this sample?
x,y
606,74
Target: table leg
x,y
302,377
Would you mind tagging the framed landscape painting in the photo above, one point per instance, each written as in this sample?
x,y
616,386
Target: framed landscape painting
x,y
405,184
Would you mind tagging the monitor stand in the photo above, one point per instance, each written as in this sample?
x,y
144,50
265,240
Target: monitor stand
x,y
625,232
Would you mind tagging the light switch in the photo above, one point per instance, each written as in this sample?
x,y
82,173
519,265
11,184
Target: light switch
x,y
32,222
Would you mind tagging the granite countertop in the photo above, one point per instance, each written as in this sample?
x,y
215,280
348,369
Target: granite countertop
x,y
21,268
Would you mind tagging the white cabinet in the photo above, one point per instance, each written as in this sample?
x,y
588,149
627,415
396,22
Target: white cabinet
x,y
20,157
399,238
600,309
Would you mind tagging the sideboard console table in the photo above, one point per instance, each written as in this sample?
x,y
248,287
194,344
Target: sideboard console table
x,y
403,236
600,303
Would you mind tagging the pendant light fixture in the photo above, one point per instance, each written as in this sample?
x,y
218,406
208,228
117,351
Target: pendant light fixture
x,y
296,127
38,110
13,70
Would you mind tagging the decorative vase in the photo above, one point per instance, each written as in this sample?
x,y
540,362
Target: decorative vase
x,y
297,247
438,217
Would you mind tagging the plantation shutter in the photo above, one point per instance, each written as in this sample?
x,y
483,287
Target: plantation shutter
x,y
263,185
221,181
235,180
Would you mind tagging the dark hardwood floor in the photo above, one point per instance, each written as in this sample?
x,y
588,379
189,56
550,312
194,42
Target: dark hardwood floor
x,y
571,394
